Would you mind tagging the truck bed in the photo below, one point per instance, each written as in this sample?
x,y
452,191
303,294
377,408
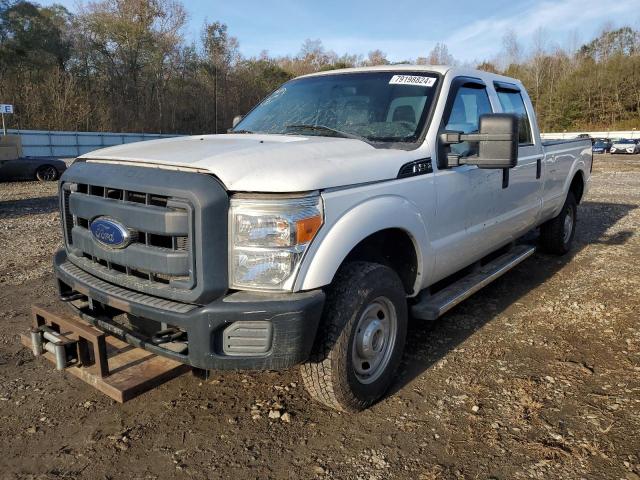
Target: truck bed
x,y
561,141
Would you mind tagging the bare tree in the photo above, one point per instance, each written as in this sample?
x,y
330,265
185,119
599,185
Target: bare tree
x,y
511,49
440,55
376,57
123,65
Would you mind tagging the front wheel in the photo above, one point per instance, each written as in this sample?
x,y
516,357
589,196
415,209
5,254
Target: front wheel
x,y
46,173
556,235
361,338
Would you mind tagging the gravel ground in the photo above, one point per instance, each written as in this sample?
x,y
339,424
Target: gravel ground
x,y
537,376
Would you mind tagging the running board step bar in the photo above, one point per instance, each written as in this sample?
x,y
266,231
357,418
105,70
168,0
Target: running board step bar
x,y
434,306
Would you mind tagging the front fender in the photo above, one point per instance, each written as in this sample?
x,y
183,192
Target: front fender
x,y
337,238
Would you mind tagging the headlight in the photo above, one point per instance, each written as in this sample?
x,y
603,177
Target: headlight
x,y
268,239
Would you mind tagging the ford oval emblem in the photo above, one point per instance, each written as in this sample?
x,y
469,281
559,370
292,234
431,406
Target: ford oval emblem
x,y
110,233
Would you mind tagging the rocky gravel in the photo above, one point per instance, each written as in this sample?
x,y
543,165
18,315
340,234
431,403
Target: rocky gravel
x,y
29,230
537,376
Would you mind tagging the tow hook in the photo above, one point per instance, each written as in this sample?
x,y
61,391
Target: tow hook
x,y
167,335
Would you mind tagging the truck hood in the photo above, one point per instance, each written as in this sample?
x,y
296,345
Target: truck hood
x,y
266,163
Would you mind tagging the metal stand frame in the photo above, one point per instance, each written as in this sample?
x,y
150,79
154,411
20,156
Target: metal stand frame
x,y
114,367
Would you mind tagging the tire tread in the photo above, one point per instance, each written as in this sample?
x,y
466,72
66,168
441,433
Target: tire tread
x,y
552,231
323,374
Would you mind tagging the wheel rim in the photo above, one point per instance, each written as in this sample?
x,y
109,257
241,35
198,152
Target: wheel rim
x,y
47,173
374,340
568,224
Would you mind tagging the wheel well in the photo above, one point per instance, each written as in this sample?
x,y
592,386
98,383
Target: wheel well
x,y
577,187
392,247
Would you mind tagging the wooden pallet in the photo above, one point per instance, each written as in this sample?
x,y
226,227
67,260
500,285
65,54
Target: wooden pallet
x,y
114,367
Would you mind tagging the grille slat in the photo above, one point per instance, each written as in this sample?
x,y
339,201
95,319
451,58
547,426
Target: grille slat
x,y
170,220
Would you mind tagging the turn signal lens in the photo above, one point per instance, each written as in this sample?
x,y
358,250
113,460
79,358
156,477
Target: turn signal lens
x,y
307,228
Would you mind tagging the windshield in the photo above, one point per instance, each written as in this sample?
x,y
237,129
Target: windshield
x,y
377,107
600,144
624,142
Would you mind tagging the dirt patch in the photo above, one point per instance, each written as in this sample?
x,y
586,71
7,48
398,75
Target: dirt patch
x,y
537,376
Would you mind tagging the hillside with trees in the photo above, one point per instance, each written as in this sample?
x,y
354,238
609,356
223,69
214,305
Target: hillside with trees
x,y
124,65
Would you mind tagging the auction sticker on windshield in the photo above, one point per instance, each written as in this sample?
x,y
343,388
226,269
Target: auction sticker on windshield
x,y
412,80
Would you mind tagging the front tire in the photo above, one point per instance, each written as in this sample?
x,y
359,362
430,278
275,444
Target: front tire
x,y
360,340
46,173
556,235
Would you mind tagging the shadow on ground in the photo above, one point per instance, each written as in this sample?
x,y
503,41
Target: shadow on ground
x,y
428,342
28,206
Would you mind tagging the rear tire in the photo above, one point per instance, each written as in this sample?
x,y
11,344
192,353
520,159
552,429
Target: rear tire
x,y
556,235
46,173
360,340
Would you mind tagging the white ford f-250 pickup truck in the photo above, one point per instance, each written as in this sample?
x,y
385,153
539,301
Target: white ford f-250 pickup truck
x,y
343,204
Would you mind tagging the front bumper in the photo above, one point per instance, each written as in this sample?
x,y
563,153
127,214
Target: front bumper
x,y
286,323
625,152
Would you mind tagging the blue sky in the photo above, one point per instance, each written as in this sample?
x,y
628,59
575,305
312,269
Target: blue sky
x,y
472,29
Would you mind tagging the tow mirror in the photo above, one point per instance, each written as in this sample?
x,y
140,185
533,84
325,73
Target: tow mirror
x,y
236,121
497,142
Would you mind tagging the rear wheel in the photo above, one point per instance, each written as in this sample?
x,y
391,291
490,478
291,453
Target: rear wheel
x,y
360,340
556,235
46,173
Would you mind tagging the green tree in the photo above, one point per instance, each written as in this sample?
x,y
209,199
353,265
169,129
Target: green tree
x,y
32,37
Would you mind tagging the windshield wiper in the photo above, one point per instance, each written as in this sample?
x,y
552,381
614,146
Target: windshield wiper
x,y
407,139
322,128
242,131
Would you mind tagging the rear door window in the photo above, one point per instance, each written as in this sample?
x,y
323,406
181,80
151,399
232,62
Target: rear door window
x,y
512,102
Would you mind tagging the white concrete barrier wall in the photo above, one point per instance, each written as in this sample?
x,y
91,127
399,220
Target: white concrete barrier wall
x,y
610,134
44,143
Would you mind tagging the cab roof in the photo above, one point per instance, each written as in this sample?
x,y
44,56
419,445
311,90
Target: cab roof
x,y
440,69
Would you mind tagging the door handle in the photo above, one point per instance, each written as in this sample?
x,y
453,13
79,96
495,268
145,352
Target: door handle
x,y
538,168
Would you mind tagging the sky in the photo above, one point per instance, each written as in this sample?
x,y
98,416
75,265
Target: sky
x,y
405,29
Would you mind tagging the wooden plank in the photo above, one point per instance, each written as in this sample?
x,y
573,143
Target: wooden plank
x,y
131,371
100,355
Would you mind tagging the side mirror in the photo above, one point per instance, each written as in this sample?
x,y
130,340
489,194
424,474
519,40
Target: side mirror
x,y
236,121
497,139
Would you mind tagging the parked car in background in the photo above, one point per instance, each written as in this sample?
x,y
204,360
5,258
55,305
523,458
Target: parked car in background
x,y
625,146
601,146
45,169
